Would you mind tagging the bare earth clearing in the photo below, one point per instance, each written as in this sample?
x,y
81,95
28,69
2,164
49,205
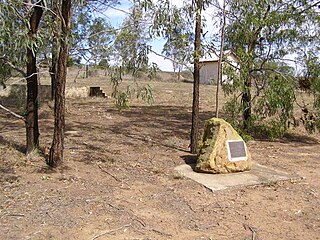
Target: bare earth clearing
x,y
118,182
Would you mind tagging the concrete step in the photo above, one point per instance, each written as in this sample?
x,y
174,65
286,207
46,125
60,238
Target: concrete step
x,y
97,92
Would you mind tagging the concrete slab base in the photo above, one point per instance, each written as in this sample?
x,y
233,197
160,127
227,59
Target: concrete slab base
x,y
259,174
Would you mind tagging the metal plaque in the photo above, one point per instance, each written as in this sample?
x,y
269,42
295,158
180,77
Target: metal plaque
x,y
236,150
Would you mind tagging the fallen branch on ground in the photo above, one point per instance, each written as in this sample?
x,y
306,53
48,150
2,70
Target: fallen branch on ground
x,y
15,215
105,171
161,233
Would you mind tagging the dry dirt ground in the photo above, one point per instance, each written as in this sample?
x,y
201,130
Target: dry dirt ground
x,y
117,180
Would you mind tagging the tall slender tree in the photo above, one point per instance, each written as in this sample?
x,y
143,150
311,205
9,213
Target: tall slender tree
x,y
20,21
32,127
57,147
54,46
189,16
196,79
221,55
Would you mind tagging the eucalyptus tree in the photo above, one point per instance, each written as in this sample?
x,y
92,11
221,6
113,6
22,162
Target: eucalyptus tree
x,y
57,146
91,34
131,43
63,35
19,44
100,39
12,19
262,34
167,21
223,22
179,37
53,25
196,79
32,127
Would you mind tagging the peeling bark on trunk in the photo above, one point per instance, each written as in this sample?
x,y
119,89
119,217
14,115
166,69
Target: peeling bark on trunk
x,y
196,80
57,147
32,129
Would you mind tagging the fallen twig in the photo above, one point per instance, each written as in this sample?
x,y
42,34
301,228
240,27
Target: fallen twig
x,y
161,233
109,231
115,207
141,222
190,207
253,231
15,215
105,171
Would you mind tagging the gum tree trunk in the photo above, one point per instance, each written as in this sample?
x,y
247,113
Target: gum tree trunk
x,y
246,92
220,67
57,147
196,81
54,51
32,128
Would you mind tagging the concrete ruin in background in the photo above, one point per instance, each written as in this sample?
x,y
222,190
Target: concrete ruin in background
x,y
44,91
97,92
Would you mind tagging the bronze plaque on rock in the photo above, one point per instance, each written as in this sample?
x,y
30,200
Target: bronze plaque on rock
x,y
236,150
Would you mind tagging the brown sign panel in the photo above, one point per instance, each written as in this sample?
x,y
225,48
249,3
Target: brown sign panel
x,y
236,150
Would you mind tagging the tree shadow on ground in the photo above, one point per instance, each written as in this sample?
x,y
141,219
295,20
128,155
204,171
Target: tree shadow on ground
x,y
157,124
7,171
19,147
291,138
297,138
166,126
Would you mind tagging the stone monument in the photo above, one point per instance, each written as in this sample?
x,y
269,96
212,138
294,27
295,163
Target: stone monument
x,y
221,149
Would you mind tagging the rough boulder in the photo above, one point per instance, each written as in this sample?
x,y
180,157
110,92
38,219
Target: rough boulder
x,y
213,154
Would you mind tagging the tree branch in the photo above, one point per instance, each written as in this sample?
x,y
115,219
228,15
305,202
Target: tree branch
x,y
4,59
13,113
309,7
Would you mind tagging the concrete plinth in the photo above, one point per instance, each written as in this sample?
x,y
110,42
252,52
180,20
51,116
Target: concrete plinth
x,y
259,174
